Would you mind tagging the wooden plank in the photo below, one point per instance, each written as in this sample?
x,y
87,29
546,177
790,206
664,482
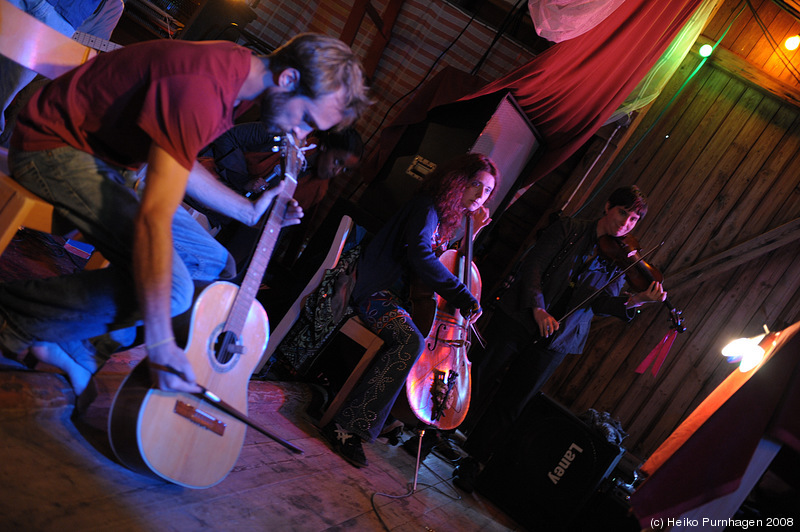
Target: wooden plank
x,y
759,49
747,295
730,14
62,477
737,255
350,30
655,145
679,384
746,71
780,29
684,148
774,314
752,215
706,310
726,182
381,40
751,42
706,146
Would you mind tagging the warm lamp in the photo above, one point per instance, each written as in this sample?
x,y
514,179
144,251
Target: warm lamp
x,y
746,351
792,42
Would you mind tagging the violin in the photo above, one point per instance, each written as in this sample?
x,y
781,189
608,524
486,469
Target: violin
x,y
624,252
439,386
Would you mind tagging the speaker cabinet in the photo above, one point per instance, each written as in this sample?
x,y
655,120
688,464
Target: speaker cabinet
x,y
493,125
549,468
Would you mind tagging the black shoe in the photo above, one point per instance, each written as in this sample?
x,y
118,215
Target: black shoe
x,y
447,450
429,441
347,445
465,475
392,432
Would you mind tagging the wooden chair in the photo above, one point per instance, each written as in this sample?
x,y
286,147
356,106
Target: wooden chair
x,y
353,328
44,50
20,207
277,334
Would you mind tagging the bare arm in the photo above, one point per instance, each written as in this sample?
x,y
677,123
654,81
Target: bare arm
x,y
152,266
212,193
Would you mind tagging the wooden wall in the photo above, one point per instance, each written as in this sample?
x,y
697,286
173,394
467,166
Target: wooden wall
x,y
720,167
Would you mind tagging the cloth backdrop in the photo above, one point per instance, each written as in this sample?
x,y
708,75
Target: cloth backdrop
x,y
570,90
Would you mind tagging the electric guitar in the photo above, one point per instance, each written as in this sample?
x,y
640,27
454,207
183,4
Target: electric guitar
x,y
37,46
178,436
95,43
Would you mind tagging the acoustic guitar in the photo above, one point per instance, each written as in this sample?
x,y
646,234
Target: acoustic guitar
x,y
177,436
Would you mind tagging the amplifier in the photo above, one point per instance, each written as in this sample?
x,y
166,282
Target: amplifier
x,y
548,469
492,124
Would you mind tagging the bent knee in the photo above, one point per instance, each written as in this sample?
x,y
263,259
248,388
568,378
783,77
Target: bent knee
x,y
182,295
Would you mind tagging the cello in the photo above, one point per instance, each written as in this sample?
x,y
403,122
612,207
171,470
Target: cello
x,y
439,385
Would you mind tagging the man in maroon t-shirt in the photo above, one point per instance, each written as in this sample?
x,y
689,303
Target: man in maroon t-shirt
x,y
155,103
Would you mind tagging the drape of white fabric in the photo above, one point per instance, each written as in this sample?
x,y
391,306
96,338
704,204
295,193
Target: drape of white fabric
x,y
651,85
561,20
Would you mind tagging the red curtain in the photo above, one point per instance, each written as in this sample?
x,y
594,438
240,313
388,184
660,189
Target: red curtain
x,y
569,91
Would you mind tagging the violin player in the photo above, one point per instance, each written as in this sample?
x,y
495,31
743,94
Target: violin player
x,y
407,246
525,339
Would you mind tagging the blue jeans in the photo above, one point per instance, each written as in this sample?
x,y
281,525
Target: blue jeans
x,y
98,199
369,404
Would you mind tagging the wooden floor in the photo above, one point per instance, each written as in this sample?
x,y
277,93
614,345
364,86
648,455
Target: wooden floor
x,y
60,474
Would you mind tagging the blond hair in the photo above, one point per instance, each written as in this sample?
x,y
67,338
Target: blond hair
x,y
325,65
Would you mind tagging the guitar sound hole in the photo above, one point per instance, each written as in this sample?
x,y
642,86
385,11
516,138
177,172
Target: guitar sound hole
x,y
226,347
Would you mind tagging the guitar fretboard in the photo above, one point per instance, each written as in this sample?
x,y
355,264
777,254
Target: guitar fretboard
x,y
96,43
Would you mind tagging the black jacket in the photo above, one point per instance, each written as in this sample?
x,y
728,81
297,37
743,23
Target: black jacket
x,y
565,254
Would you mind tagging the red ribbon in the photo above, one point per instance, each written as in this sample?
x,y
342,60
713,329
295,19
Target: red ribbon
x,y
659,354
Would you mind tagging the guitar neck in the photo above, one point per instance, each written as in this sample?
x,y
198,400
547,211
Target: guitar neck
x,y
96,43
292,165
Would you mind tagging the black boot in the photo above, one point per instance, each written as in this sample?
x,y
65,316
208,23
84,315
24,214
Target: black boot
x,y
465,475
429,441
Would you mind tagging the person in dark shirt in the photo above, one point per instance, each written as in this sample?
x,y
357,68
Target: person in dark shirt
x,y
526,337
407,246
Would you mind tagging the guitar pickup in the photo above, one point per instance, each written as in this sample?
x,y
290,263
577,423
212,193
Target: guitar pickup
x,y
204,419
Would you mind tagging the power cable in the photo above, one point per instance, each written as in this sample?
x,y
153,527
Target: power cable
x,y
424,78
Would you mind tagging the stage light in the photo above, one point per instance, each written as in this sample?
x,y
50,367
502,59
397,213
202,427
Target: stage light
x,y
746,351
792,42
706,50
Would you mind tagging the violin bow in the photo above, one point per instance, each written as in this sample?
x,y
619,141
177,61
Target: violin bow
x,y
613,279
213,399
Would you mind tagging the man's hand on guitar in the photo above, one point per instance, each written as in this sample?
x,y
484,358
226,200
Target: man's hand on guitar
x,y
170,370
294,213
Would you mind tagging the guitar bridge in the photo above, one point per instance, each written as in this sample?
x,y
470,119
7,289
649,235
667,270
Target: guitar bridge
x,y
204,419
